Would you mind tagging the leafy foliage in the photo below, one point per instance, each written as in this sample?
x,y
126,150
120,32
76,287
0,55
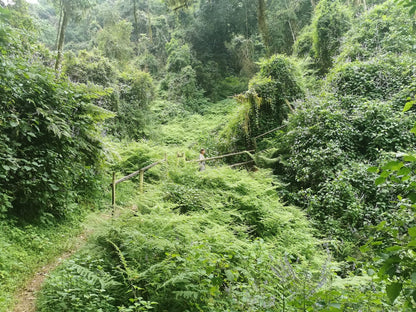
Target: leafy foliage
x,y
266,104
48,155
380,77
214,253
91,291
393,243
89,67
330,22
323,157
386,29
114,41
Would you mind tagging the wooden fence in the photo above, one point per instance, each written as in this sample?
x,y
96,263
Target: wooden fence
x,y
131,175
142,170
182,155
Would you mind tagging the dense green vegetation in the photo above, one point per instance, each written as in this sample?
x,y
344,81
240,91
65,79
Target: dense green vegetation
x,y
321,93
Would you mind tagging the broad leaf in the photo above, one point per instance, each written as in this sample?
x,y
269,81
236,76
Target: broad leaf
x,y
393,291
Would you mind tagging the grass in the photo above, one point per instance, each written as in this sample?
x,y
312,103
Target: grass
x,y
191,130
27,248
192,234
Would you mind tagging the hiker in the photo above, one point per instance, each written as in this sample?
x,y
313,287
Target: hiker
x,y
201,157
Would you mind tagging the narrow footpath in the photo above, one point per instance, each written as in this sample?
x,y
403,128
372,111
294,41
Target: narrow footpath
x,y
25,298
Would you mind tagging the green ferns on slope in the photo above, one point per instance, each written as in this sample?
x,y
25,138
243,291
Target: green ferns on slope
x,y
218,240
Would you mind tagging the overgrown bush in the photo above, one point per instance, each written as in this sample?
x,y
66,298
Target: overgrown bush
x,y
331,20
323,155
378,78
83,285
50,131
180,82
385,29
210,241
89,67
267,102
135,93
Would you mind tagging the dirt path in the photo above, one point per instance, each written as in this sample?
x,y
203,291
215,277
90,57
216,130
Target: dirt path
x,y
26,297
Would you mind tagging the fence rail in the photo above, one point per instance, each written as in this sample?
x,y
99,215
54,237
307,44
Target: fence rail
x,y
221,156
142,170
127,177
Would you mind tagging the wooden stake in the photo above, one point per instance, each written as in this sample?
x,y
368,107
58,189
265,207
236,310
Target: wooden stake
x,y
141,180
113,193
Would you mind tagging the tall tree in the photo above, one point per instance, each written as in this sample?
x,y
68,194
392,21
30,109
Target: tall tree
x,y
178,4
261,12
68,9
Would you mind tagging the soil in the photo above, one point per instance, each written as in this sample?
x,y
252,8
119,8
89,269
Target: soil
x,y
26,297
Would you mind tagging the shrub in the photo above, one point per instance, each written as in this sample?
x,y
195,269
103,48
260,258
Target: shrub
x,y
266,104
330,22
322,157
52,132
87,287
385,29
135,93
215,254
89,68
381,77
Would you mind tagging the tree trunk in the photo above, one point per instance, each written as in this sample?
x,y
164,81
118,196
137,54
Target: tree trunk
x,y
59,27
263,25
62,29
136,27
149,24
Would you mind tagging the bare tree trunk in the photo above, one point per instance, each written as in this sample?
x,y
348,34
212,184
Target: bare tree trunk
x,y
136,27
149,24
263,24
290,24
136,22
59,26
64,24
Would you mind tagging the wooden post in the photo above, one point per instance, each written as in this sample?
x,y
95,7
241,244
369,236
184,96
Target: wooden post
x,y
113,193
141,180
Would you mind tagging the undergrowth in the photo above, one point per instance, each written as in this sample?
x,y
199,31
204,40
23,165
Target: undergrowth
x,y
26,248
217,240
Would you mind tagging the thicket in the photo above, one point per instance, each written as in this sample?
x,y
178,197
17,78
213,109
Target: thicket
x,y
220,240
211,241
266,104
331,139
50,134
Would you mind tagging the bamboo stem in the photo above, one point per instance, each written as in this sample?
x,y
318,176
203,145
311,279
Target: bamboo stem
x,y
259,136
138,171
